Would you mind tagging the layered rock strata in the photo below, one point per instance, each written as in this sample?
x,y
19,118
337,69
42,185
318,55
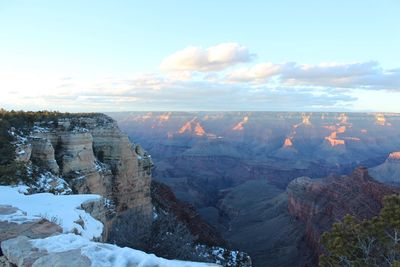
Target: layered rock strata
x,y
94,156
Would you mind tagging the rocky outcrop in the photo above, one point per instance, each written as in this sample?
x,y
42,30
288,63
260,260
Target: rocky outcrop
x,y
103,211
131,182
389,171
75,153
23,153
93,156
22,252
43,154
34,229
321,202
67,250
30,228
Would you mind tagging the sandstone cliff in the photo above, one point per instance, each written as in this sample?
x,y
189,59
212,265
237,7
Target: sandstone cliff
x,y
93,156
321,202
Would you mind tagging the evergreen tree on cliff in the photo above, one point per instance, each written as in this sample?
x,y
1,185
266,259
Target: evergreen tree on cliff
x,y
374,242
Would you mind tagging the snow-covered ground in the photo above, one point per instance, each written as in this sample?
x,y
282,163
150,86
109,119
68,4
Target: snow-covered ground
x,y
64,210
106,255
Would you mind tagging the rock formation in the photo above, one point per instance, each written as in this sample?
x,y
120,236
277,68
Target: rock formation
x,y
93,156
273,147
43,153
321,202
389,171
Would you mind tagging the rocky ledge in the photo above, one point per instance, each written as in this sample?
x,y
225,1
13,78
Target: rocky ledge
x,y
26,241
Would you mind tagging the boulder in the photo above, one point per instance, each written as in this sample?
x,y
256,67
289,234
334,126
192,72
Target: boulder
x,y
63,259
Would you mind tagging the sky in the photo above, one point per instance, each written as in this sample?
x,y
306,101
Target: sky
x,y
309,55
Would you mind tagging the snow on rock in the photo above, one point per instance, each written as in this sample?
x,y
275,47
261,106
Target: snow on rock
x,y
107,255
48,182
225,257
101,167
39,129
14,215
64,210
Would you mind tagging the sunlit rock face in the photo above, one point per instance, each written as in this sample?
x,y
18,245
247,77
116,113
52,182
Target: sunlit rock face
x,y
333,141
198,130
164,117
187,127
288,143
240,125
306,119
394,157
380,119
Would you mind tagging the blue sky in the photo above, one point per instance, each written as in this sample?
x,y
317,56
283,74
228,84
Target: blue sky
x,y
203,55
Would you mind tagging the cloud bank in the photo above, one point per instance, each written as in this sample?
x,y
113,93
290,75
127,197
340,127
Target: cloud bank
x,y
364,75
211,78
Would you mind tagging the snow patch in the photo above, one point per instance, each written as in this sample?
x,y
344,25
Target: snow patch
x,y
18,217
48,182
63,209
107,255
39,129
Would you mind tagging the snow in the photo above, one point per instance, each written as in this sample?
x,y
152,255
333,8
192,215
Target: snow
x,y
65,210
22,152
17,217
101,167
224,256
62,209
78,129
48,182
107,255
38,129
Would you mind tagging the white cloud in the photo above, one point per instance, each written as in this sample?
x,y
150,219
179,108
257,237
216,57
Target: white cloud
x,y
155,92
213,58
258,73
200,81
364,75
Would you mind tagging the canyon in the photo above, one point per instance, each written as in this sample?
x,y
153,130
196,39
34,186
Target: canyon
x,y
241,171
99,183
263,183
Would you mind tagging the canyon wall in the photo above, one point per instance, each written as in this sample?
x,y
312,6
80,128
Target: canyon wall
x,y
94,156
321,202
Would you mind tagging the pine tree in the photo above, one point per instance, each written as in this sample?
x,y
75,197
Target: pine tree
x,y
374,242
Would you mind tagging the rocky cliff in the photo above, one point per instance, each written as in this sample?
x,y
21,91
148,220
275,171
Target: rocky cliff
x,y
165,200
94,156
321,202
